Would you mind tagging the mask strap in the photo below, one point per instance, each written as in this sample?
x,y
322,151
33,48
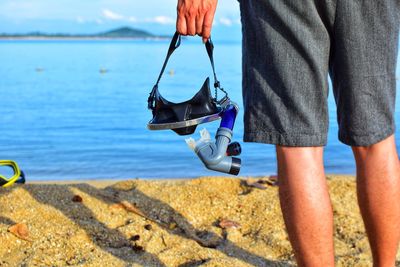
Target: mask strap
x,y
210,50
217,85
175,43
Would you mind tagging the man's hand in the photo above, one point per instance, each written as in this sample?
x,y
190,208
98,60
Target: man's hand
x,y
196,17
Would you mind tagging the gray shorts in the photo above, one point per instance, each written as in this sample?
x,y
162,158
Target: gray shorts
x,y
290,46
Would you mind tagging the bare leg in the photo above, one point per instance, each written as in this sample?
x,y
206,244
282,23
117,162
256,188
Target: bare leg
x,y
305,204
378,190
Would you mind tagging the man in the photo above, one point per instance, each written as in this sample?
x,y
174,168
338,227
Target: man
x,y
288,49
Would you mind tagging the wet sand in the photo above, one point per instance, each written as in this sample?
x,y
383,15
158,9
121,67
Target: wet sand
x,y
208,221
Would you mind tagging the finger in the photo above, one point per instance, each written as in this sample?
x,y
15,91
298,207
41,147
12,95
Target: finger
x,y
181,26
191,24
199,24
207,25
181,20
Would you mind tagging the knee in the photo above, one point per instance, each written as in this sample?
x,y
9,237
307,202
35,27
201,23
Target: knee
x,y
305,162
361,152
380,147
299,154
299,150
383,147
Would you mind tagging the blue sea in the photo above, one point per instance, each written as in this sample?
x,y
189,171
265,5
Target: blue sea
x,y
78,110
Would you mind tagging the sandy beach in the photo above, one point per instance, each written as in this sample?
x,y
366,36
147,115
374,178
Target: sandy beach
x,y
209,221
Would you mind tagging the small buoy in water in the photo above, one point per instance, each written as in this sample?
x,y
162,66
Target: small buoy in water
x,y
171,72
39,69
103,70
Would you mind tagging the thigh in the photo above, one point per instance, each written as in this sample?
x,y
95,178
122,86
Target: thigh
x,y
362,67
285,65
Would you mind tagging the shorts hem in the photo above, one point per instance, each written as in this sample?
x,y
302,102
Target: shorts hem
x,y
294,140
366,139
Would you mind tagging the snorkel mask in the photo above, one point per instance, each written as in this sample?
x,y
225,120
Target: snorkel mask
x,y
184,117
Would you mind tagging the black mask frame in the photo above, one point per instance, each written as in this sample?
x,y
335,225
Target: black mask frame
x,y
184,117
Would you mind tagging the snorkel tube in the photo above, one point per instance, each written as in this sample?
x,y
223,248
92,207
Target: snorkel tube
x,y
218,156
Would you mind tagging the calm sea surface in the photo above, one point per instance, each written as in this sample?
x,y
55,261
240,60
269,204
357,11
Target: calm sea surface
x,y
77,110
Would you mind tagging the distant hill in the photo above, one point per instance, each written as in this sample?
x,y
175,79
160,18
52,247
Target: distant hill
x,y
126,32
123,32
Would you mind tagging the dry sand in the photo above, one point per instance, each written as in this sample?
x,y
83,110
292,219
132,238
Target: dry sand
x,y
164,223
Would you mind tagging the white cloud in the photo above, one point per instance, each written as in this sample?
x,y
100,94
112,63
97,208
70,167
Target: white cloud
x,y
163,20
111,15
226,21
108,14
132,19
80,20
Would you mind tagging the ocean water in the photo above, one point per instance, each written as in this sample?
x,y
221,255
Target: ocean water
x,y
78,110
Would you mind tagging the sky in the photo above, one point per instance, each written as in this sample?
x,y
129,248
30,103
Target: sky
x,y
89,16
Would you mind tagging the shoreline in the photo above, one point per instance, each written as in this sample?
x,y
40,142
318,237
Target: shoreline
x,y
34,38
109,182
